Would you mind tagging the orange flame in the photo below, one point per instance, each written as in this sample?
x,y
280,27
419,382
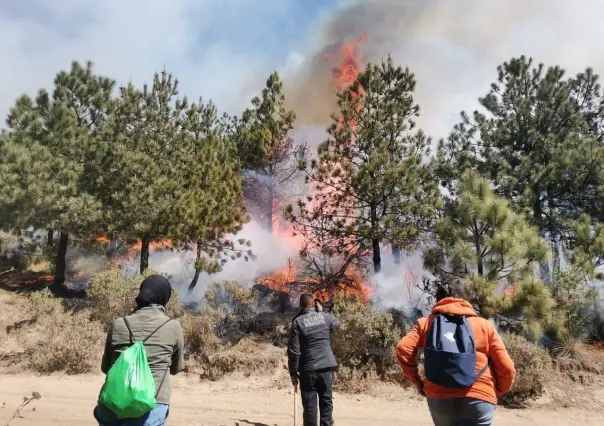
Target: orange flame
x,y
350,62
286,280
346,69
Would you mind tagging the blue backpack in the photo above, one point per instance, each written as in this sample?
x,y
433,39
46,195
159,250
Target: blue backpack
x,y
450,352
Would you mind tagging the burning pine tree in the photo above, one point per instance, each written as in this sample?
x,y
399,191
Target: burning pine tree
x,y
370,185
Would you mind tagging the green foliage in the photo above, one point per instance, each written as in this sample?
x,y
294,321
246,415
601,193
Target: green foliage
x,y
43,181
587,245
575,301
214,205
539,142
113,296
230,305
169,172
370,183
533,370
480,244
267,151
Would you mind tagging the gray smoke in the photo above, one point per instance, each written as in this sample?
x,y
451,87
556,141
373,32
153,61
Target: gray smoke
x,y
272,253
453,47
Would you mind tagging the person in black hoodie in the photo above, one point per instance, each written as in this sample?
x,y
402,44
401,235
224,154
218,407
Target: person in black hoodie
x,y
311,360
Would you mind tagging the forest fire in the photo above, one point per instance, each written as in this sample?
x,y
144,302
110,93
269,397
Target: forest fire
x,y
289,281
123,252
347,63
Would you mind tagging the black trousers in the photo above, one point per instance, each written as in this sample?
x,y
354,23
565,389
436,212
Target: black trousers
x,y
317,385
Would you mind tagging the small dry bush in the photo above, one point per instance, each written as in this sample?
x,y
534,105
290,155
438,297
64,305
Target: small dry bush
x,y
249,356
364,344
65,341
533,371
574,354
217,341
231,306
113,296
199,335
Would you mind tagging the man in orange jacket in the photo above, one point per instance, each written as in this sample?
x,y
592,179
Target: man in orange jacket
x,y
494,369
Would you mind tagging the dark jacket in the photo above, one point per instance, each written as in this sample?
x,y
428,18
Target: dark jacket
x,y
164,348
309,347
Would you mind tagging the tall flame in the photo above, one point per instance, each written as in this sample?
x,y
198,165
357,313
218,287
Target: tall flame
x,y
347,62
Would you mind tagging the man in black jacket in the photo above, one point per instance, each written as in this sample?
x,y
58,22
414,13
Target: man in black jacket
x,y
311,360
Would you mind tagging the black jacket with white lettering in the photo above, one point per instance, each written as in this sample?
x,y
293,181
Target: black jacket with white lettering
x,y
309,347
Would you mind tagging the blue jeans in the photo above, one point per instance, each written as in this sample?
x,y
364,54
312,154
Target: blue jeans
x,y
155,417
461,412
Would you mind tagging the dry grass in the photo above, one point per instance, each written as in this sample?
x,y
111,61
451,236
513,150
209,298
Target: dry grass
x,y
67,341
40,266
248,356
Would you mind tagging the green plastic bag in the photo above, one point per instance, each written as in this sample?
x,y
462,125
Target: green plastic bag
x,y
129,389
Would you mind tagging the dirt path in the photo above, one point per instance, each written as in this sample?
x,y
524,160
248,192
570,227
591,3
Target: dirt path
x,y
69,401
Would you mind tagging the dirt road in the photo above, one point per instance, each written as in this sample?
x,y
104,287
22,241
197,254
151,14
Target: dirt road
x,y
68,401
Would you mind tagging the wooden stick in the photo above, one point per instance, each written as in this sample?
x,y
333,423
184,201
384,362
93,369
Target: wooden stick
x,y
295,404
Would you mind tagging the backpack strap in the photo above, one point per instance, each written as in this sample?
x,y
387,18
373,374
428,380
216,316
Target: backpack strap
x,y
132,339
168,367
481,372
156,330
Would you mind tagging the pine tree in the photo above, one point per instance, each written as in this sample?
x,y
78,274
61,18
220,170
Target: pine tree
x,y
169,174
46,158
587,244
371,186
483,247
269,155
140,186
539,142
215,203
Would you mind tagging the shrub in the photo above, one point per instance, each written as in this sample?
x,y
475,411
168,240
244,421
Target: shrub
x,y
364,345
231,306
113,296
533,370
67,341
250,355
574,302
42,303
199,335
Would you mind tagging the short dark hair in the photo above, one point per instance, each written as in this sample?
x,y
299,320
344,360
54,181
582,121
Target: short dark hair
x,y
307,301
442,292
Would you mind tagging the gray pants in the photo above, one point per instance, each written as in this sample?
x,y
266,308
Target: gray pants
x,y
461,412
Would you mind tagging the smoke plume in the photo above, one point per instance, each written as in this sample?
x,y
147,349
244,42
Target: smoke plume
x,y
453,47
271,253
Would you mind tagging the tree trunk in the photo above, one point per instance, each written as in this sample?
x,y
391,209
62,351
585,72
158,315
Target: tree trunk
x,y
145,242
50,239
544,271
479,260
61,262
269,213
377,258
197,270
112,246
396,254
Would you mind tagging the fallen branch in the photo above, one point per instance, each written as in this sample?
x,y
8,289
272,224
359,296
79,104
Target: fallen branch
x,y
7,271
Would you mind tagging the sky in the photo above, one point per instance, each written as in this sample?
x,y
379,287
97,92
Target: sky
x,y
218,49
225,49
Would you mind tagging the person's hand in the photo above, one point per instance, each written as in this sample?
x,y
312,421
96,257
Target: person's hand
x,y
420,388
318,305
295,380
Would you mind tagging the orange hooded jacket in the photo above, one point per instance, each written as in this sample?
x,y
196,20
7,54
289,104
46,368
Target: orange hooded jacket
x,y
495,381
